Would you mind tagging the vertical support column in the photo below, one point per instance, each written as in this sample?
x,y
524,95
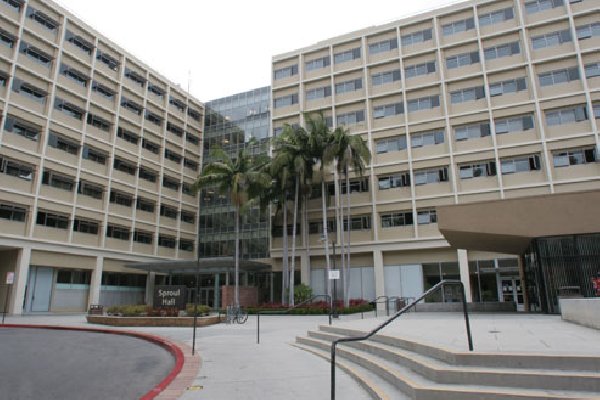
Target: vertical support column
x,y
304,269
150,281
21,273
217,299
463,265
379,277
96,282
521,264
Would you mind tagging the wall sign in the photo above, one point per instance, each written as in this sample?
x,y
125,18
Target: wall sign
x,y
170,296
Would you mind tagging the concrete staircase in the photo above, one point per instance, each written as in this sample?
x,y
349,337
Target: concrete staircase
x,y
394,368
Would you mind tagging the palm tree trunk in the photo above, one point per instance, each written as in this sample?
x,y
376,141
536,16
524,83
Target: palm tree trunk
x,y
340,230
236,301
305,233
284,277
325,235
347,281
293,267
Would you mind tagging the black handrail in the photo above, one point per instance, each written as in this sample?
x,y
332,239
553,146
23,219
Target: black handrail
x,y
328,297
399,313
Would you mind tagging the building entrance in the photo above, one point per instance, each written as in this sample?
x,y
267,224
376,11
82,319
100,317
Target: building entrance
x,y
39,289
512,291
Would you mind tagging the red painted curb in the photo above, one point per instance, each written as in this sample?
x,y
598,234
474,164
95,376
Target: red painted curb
x,y
168,345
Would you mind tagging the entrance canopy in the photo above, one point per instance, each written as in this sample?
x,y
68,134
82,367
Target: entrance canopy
x,y
207,266
509,225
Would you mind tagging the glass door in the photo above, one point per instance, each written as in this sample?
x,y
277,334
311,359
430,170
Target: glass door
x,y
512,291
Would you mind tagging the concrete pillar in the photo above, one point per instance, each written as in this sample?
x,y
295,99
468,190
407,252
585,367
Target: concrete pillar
x,y
524,283
150,280
217,299
304,269
379,277
463,265
21,274
96,282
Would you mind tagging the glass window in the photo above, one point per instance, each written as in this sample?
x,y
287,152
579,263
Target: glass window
x,y
535,6
462,25
348,86
345,56
460,60
423,103
388,110
383,46
520,164
428,138
566,115
412,71
496,17
416,37
565,158
317,63
395,143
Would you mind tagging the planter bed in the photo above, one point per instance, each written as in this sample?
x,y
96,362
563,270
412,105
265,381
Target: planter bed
x,y
153,321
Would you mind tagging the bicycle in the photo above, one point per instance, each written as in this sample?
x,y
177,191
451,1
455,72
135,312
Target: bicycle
x,y
236,314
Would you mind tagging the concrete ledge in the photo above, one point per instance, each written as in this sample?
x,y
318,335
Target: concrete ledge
x,y
152,321
584,311
472,307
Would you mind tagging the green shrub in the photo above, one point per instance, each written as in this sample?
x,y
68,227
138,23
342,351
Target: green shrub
x,y
302,293
201,310
128,310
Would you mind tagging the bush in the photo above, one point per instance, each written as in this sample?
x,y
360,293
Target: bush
x,y
128,310
302,293
201,310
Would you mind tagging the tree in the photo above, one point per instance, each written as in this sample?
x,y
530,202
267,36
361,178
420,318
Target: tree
x,y
244,178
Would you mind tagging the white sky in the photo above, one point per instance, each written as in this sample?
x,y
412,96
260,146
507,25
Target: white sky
x,y
227,45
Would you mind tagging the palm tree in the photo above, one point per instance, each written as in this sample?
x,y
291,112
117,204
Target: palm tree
x,y
244,179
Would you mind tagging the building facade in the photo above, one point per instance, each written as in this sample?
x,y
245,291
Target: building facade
x,y
98,154
477,101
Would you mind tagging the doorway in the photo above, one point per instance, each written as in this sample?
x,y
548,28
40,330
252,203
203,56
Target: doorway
x,y
512,291
39,289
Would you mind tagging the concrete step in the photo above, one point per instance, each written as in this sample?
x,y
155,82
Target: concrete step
x,y
441,372
418,387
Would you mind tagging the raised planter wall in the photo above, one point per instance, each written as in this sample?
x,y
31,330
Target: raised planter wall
x,y
472,307
153,321
583,311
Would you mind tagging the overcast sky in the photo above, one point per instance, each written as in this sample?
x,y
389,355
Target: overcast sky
x,y
227,45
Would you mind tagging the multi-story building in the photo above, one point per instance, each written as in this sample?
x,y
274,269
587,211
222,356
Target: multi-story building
x,y
98,154
476,101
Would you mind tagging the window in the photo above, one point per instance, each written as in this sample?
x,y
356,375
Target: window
x,y
98,122
35,54
131,106
171,155
7,39
73,277
186,245
551,39
144,205
194,114
532,7
317,226
423,139
318,93
108,60
85,226
187,216
460,60
58,142
592,70
22,128
69,109
348,86
596,107
16,4
135,77
117,232
559,76
191,164
187,188
124,166
388,110
462,25
154,118
151,146
426,217
382,78
423,103
520,164
26,89
317,63
166,241
467,94
285,72
191,138
3,79
158,91
128,136
358,223
472,131
508,86
502,50
121,198
496,17
394,181
89,153
566,115
345,56
416,37
169,212
74,75
58,181
170,183
588,31
356,186
351,118
424,177
285,101
147,174
178,131
12,213
89,189
52,220
517,123
383,46
468,171
565,158
16,169
79,42
412,71
103,90
180,105
142,237
396,219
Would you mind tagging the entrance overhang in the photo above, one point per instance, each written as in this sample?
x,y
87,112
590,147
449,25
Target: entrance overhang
x,y
205,265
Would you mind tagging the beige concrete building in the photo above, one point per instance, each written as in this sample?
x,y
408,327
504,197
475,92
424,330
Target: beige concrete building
x,y
98,153
477,101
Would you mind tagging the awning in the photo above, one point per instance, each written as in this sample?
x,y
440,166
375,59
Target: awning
x,y
207,266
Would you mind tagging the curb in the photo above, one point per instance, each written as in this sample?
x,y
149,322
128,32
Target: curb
x,y
166,344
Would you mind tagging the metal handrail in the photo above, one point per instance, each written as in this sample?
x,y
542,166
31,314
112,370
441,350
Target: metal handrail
x,y
399,313
328,297
387,304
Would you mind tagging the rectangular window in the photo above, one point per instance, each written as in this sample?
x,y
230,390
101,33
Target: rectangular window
x,y
508,86
588,31
383,46
74,75
69,109
285,101
423,103
26,89
35,54
147,174
520,164
144,205
187,217
412,71
565,158
142,237
178,104
191,138
131,105
128,136
426,217
501,50
16,4
535,6
121,198
396,219
596,107
186,245
285,72
90,189
79,42
108,60
154,118
496,17
158,91
472,131
468,171
388,110
394,181
351,118
22,128
592,70
318,93
171,155
85,226
3,79
467,94
356,186
383,78
170,183
559,76
463,59
58,142
135,77
345,56
551,39
103,90
98,122
195,115
428,138
16,169
358,223
416,37
176,130
424,177
348,86
124,166
516,123
89,153
169,212
317,63
191,164
462,25
150,146
117,232
567,115
12,213
58,181
52,220
7,39
166,241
